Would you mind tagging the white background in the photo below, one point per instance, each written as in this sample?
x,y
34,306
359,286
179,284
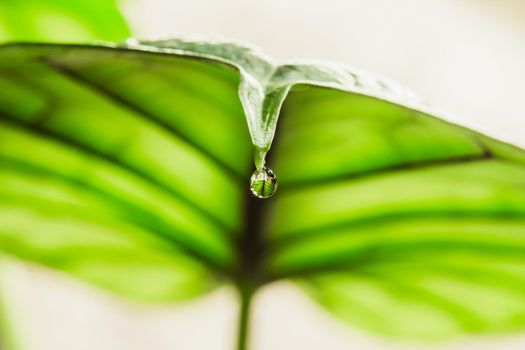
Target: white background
x,y
464,56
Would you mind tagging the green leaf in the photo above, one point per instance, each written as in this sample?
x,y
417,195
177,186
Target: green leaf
x,y
129,165
132,150
61,20
396,221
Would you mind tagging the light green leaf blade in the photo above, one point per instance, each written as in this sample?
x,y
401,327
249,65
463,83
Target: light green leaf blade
x,y
61,20
396,221
151,143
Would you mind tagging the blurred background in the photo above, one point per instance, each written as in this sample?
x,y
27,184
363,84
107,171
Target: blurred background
x,y
466,57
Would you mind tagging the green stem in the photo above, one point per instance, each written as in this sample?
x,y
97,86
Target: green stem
x,y
243,325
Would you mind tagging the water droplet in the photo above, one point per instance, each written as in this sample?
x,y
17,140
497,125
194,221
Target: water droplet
x,y
263,183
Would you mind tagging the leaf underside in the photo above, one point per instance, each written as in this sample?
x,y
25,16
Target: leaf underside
x,y
130,169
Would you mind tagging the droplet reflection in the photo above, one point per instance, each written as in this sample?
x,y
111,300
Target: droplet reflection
x,y
263,183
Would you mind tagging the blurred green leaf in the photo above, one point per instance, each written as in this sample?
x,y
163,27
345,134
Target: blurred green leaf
x,y
61,20
129,167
